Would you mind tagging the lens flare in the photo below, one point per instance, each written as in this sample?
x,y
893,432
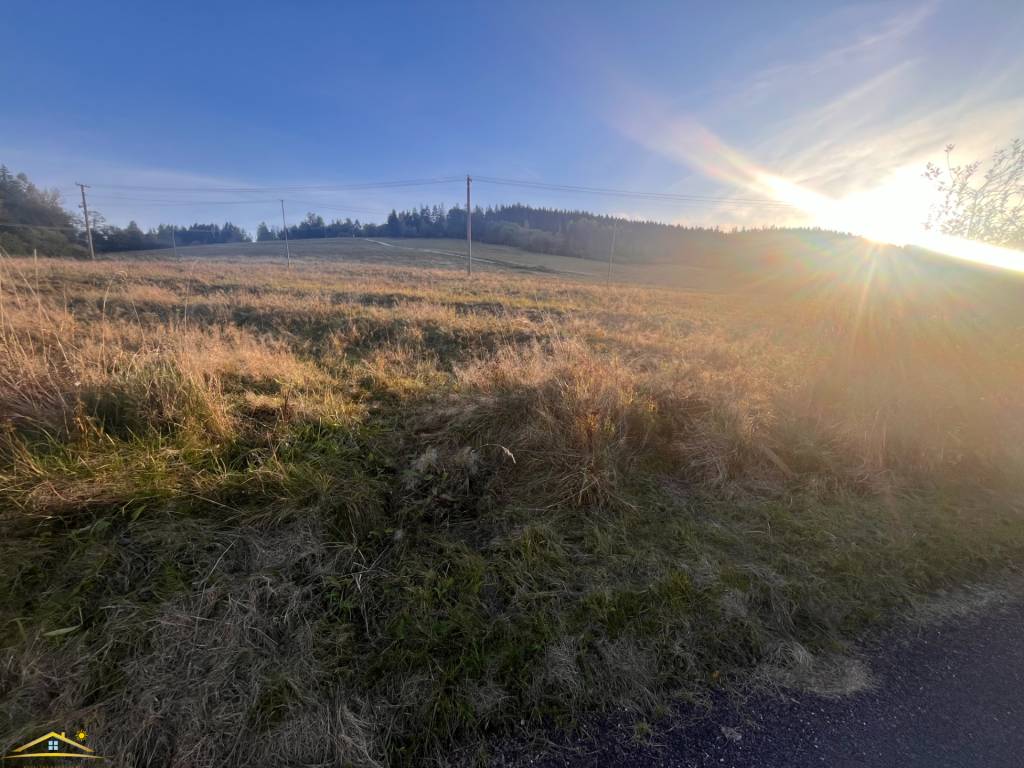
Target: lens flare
x,y
892,212
875,215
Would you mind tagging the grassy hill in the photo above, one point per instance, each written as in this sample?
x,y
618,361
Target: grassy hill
x,y
366,511
760,262
444,254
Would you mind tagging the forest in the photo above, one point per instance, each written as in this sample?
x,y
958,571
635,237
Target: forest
x,y
34,219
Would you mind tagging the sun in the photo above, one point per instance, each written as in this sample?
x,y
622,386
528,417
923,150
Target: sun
x,y
892,212
81,735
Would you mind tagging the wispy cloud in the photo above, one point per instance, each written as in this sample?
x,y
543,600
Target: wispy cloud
x,y
866,45
860,114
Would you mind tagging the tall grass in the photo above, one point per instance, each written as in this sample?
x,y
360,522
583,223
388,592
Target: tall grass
x,y
363,515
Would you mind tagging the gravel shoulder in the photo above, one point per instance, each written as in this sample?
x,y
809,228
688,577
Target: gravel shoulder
x,y
943,695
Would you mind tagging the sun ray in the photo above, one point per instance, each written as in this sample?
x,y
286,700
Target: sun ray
x,y
893,212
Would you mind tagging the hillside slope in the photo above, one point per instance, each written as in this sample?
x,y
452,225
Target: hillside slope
x,y
376,514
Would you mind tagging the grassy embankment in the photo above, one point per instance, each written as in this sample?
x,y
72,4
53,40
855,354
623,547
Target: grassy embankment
x,y
374,515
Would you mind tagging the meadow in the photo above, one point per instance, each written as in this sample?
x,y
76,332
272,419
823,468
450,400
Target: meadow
x,y
366,513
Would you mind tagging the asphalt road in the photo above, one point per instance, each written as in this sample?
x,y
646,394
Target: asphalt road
x,y
947,696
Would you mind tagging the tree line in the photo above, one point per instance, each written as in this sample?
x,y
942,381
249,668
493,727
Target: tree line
x,y
111,239
34,218
543,230
986,206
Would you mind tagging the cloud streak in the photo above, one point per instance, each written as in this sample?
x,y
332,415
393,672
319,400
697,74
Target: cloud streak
x,y
864,114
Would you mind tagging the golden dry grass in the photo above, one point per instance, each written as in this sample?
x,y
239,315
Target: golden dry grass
x,y
370,515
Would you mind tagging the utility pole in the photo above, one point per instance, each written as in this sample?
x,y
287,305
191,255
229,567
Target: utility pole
x,y
611,253
287,249
88,226
174,241
469,227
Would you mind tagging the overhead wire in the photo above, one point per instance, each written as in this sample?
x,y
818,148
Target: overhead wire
x,y
607,191
290,188
144,199
495,180
274,201
34,226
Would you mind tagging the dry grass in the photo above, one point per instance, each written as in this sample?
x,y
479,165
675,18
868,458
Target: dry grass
x,y
363,515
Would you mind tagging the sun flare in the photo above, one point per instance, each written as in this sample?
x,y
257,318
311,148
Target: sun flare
x,y
893,212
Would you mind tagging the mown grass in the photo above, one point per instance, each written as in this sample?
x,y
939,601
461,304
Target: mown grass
x,y
370,516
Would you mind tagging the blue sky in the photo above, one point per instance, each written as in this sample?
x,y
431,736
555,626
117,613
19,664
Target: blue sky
x,y
842,98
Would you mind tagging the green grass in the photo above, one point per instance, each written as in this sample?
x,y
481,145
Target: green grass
x,y
374,515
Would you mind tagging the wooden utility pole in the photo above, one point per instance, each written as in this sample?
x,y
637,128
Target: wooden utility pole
x,y
88,226
611,253
469,227
287,249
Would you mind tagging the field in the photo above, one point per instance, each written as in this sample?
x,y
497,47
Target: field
x,y
451,254
369,513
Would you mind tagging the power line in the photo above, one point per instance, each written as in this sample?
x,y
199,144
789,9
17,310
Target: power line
x,y
85,217
144,200
342,209
287,188
495,180
628,193
157,201
625,192
179,227
152,201
469,227
36,226
284,228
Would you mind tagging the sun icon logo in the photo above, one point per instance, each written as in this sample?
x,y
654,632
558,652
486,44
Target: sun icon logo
x,y
81,735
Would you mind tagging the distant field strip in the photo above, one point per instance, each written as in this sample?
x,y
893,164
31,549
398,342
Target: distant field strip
x,y
484,260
